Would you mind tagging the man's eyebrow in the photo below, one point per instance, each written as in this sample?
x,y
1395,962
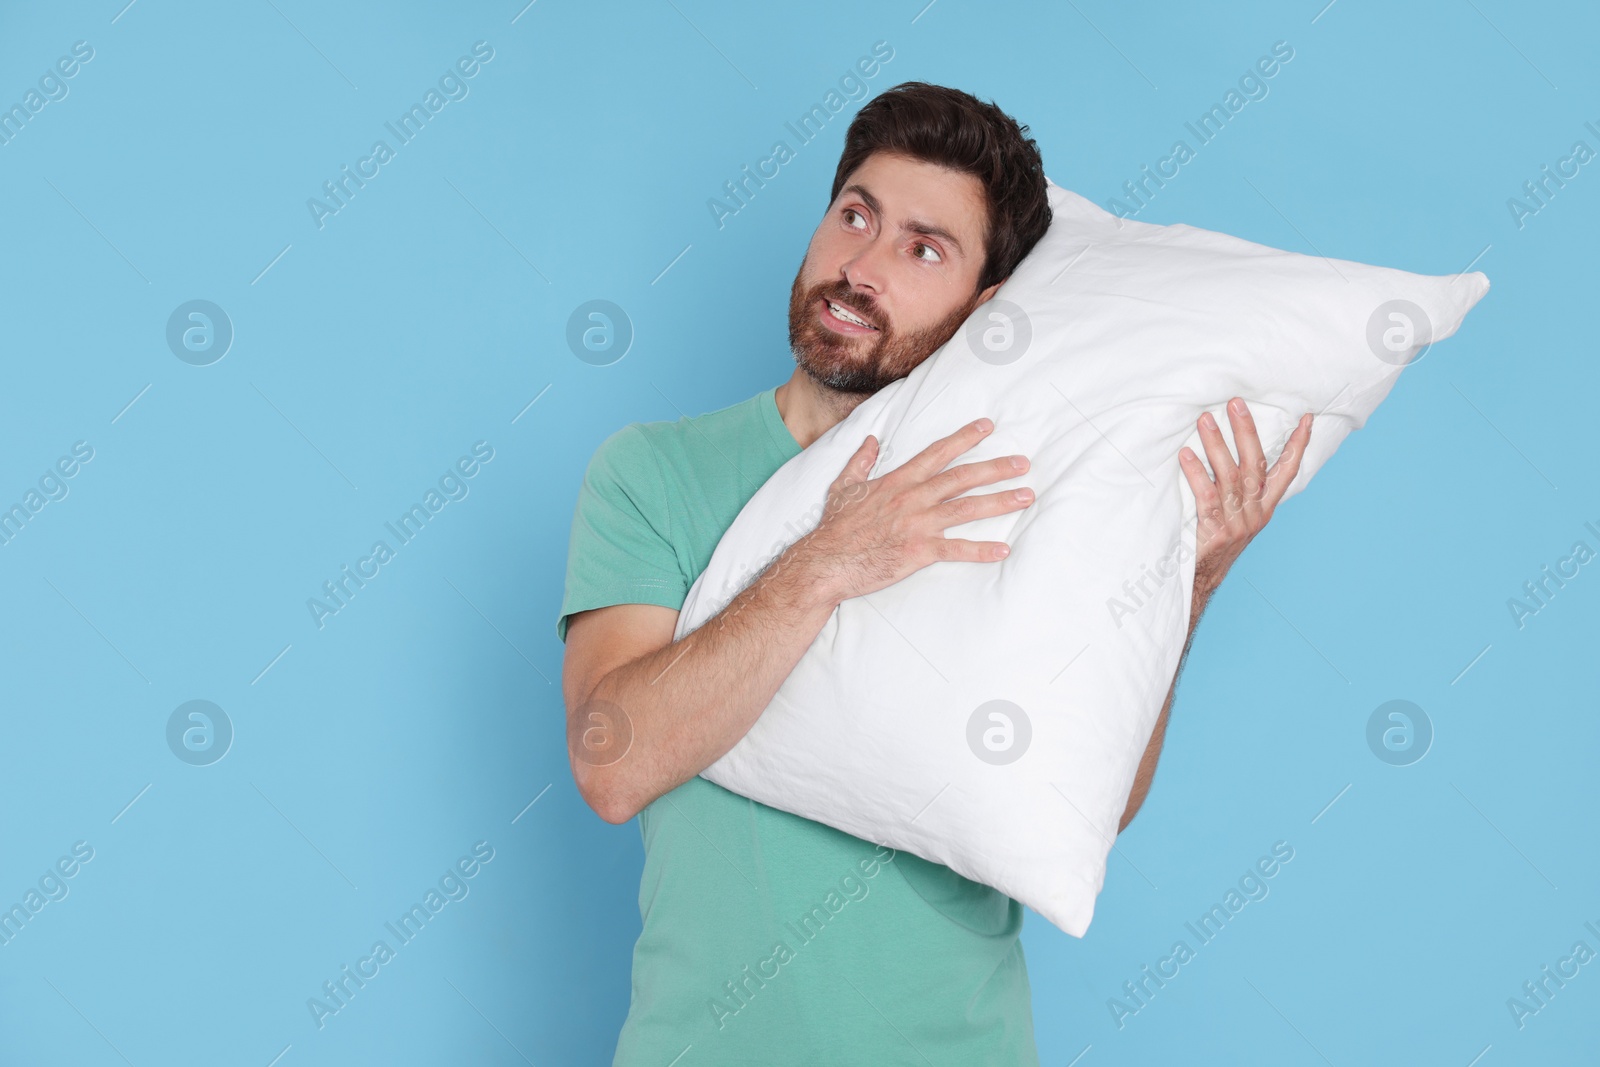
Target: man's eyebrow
x,y
914,225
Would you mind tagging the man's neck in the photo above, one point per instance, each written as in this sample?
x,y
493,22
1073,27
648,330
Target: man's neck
x,y
810,410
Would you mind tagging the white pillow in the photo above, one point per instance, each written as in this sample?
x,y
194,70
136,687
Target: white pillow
x,y
991,716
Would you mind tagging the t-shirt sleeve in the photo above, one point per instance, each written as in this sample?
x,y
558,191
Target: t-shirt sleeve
x,y
620,551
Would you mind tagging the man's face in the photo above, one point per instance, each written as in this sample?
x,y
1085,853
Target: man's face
x,y
900,248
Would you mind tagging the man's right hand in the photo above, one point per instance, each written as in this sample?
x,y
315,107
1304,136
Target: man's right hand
x,y
646,713
877,531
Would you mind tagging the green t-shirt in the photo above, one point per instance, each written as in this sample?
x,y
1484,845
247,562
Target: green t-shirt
x,y
769,939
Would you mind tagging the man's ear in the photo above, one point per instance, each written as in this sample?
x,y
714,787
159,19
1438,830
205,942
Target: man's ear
x,y
983,297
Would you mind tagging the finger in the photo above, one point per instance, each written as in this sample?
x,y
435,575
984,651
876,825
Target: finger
x,y
964,476
1207,501
981,506
937,456
1199,481
1222,465
1252,462
1288,464
868,453
946,549
859,463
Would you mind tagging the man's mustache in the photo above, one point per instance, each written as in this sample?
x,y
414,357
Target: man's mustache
x,y
851,302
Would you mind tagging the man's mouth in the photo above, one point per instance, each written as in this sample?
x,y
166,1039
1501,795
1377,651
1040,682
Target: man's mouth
x,y
845,320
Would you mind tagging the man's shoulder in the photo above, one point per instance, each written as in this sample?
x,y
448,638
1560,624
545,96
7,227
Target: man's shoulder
x,y
644,442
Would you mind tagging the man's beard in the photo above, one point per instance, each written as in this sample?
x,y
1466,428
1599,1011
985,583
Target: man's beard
x,y
859,363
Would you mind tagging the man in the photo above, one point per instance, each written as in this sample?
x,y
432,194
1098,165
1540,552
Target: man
x,y
767,938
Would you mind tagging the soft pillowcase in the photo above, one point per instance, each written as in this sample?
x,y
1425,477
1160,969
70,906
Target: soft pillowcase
x,y
990,716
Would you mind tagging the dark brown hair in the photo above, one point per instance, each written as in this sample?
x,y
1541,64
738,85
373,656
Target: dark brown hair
x,y
950,128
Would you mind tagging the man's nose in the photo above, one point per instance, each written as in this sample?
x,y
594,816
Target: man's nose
x,y
867,270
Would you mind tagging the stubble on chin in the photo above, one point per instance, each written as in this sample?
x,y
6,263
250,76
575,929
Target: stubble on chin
x,y
845,365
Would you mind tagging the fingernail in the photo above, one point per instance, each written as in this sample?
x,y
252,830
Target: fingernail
x,y
1205,417
1019,462
1024,495
984,425
1003,551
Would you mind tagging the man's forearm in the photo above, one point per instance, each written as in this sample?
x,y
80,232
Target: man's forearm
x,y
691,701
1146,773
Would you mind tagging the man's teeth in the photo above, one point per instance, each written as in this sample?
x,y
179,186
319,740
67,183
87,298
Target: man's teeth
x,y
846,316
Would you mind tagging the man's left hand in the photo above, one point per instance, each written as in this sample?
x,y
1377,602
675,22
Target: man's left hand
x,y
1237,506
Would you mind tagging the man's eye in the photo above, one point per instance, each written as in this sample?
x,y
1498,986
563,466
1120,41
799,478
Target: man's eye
x,y
849,211
936,258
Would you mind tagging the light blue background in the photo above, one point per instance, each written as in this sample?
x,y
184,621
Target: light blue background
x,y
431,312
